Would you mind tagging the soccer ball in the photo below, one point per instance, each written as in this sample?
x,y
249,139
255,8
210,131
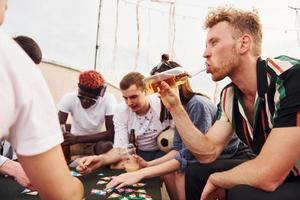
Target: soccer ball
x,y
165,140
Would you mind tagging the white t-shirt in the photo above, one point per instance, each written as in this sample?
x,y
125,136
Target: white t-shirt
x,y
91,120
28,117
146,127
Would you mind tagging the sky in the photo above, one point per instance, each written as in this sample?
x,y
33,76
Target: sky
x,y
66,31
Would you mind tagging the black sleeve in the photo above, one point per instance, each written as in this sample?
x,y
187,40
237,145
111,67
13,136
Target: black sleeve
x,y
287,100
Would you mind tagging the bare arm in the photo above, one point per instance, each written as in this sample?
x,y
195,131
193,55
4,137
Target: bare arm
x,y
112,156
14,169
169,156
90,163
206,148
62,117
161,169
105,135
48,172
148,172
269,169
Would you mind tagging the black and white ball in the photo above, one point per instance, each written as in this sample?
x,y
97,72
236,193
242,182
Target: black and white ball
x,y
165,140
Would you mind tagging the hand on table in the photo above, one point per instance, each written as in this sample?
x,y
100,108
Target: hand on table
x,y
125,179
13,168
88,164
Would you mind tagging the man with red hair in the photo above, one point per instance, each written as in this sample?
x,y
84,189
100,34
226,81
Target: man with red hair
x,y
91,107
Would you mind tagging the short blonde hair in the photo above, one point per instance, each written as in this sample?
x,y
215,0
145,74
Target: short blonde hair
x,y
241,21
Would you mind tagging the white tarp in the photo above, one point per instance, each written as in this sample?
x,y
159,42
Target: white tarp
x,y
133,34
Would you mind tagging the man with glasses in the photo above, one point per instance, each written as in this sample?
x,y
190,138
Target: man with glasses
x,y
139,114
91,108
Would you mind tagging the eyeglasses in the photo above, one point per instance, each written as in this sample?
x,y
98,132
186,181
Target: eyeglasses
x,y
87,99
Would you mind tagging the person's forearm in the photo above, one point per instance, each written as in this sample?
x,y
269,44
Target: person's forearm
x,y
37,166
161,169
169,156
111,157
3,159
105,135
193,138
250,173
269,169
7,168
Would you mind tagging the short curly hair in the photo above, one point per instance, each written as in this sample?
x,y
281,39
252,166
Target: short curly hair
x,y
91,81
241,21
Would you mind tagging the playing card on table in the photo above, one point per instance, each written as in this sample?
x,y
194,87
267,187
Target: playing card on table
x,y
138,184
127,190
74,173
145,195
114,195
29,192
108,190
25,191
98,192
101,182
106,178
124,198
120,190
132,195
141,191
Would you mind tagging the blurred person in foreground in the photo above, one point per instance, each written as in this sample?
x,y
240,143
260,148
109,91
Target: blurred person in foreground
x,y
261,104
34,135
9,166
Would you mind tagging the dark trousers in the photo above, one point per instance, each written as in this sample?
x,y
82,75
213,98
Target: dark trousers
x,y
288,190
150,155
197,175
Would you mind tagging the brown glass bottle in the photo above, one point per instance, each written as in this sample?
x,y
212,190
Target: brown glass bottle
x,y
132,138
66,148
